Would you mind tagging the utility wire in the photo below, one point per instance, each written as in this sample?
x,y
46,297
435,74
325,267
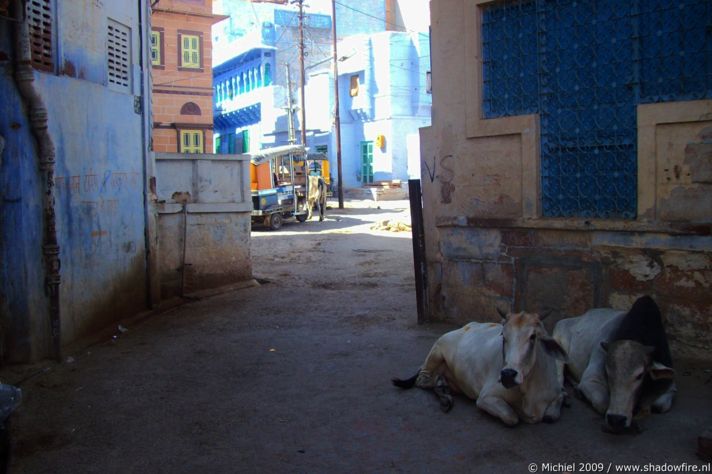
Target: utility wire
x,y
381,19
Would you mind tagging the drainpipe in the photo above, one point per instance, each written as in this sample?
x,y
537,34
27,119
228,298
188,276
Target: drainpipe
x,y
147,169
38,117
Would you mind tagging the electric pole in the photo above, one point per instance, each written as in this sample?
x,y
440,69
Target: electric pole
x,y
337,118
290,108
300,3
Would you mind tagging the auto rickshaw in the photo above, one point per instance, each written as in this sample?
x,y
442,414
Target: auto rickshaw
x,y
278,181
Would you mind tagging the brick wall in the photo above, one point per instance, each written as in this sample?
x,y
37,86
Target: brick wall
x,y
182,97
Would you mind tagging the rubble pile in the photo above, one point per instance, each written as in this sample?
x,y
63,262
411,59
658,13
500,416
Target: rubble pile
x,y
391,225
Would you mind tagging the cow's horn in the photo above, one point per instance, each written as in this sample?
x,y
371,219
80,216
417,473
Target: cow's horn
x,y
502,313
545,314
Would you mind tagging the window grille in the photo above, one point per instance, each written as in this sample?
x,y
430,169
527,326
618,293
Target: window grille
x,y
584,66
119,56
40,20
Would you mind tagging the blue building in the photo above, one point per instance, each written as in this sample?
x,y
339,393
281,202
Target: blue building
x,y
245,98
256,42
75,231
380,116
384,101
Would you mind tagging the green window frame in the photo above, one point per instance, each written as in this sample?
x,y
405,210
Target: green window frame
x,y
191,141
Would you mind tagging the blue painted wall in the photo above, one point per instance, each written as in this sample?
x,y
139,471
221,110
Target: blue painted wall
x,y
99,196
99,176
23,307
392,101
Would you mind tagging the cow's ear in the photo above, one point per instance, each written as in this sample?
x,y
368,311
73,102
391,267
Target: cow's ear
x,y
553,348
604,346
660,371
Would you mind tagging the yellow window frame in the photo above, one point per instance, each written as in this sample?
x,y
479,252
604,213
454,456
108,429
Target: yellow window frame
x,y
190,51
191,141
156,58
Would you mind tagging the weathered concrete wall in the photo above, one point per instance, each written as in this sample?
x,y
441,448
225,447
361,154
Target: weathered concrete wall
x,y
488,245
204,221
100,204
24,322
99,173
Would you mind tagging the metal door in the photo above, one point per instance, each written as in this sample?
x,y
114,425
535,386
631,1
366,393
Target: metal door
x,y
366,162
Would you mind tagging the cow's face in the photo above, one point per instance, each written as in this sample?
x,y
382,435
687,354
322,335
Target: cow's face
x,y
522,335
627,364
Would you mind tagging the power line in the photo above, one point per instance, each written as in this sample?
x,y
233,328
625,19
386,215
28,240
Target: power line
x,y
382,19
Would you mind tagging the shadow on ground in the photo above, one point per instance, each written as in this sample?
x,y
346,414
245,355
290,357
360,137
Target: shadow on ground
x,y
294,376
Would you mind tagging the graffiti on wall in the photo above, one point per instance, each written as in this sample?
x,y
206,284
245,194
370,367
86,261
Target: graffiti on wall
x,y
98,194
445,177
92,183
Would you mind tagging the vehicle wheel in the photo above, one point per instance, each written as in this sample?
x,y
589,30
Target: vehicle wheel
x,y
275,221
301,217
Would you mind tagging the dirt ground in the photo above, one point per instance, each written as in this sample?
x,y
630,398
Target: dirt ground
x,y
294,376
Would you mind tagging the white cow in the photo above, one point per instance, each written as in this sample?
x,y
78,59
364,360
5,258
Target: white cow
x,y
620,360
509,368
316,195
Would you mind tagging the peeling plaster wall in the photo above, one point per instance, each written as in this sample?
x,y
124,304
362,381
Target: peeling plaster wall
x,y
213,227
99,177
100,205
487,245
24,324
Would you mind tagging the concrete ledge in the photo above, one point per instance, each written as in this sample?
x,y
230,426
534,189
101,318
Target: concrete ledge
x,y
205,208
201,156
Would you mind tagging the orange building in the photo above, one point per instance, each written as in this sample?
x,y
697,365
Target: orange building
x,y
181,53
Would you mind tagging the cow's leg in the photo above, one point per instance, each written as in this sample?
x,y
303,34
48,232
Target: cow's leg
x,y
664,402
322,199
433,367
442,390
496,406
553,411
310,204
594,385
596,394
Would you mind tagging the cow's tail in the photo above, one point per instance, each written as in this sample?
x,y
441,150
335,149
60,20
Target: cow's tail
x,y
407,383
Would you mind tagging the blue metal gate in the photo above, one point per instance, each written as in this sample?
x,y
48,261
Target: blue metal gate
x,y
584,66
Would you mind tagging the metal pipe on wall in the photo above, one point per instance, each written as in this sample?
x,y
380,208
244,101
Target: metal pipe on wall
x,y
38,118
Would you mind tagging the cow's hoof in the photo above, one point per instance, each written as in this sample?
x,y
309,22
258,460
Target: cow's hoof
x,y
549,419
510,421
446,405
